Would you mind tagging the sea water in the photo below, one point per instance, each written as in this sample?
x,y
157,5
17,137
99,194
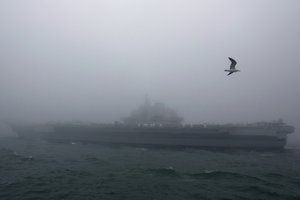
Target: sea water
x,y
38,169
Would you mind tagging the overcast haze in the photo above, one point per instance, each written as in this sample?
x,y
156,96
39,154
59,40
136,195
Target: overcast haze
x,y
95,60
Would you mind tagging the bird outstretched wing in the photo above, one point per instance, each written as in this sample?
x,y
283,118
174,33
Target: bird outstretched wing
x,y
233,63
229,73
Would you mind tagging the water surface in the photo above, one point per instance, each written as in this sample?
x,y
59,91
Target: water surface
x,y
37,169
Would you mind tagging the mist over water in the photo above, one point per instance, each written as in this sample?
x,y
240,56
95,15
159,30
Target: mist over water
x,y
97,61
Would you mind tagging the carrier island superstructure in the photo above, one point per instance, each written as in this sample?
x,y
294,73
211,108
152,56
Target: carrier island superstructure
x,y
158,125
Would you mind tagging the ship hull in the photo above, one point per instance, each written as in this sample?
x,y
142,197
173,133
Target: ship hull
x,y
168,137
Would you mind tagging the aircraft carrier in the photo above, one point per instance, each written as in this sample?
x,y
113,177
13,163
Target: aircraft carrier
x,y
158,125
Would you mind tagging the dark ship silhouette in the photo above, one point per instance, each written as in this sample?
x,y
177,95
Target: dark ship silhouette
x,y
159,125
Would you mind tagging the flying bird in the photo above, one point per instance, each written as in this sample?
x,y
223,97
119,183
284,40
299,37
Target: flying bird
x,y
232,67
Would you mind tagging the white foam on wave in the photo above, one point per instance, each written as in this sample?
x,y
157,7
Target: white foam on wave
x,y
209,171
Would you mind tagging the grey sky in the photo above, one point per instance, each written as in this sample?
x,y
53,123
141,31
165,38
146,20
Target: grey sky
x,y
95,60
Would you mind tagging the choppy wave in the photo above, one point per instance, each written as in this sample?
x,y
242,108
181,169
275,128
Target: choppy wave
x,y
211,174
168,171
41,170
274,175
